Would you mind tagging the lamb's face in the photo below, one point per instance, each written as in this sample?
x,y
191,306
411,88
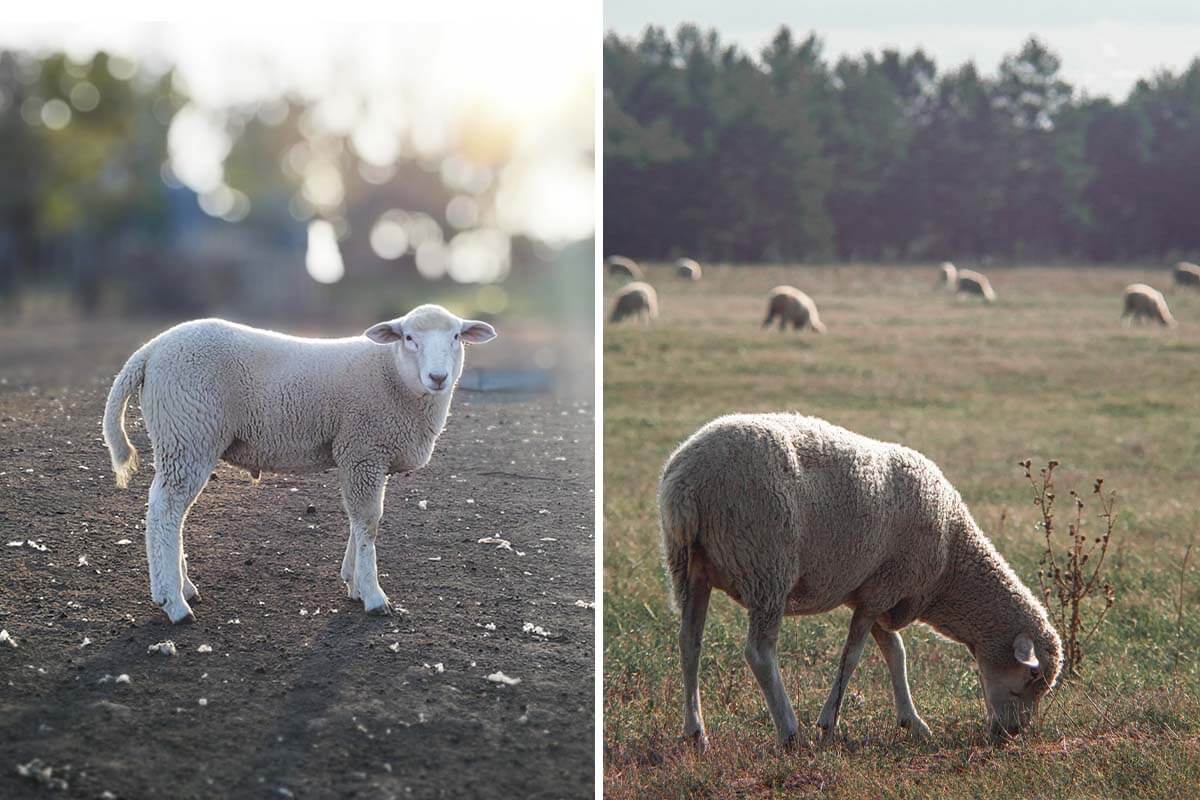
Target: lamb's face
x,y
1014,683
428,346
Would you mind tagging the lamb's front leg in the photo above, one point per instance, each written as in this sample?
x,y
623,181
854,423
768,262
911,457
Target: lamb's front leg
x,y
362,492
892,648
860,625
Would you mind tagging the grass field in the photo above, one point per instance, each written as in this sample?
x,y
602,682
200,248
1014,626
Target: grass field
x,y
1046,372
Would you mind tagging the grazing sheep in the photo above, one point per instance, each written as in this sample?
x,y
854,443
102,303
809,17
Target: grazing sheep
x,y
622,267
212,390
635,298
688,269
1187,274
792,515
789,304
972,282
948,277
1146,302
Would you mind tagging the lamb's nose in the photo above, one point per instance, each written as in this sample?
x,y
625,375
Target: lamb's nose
x,y
438,378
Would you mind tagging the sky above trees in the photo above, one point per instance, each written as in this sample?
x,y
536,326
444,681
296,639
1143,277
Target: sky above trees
x,y
1105,45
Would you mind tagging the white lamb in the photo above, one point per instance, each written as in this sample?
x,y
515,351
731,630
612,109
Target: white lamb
x,y
792,515
212,390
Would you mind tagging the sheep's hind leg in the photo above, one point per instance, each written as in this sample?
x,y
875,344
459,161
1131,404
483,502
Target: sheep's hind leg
x,y
691,634
892,647
171,495
362,492
348,566
190,592
760,655
860,626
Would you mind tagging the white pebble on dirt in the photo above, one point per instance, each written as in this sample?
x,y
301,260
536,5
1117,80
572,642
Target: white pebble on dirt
x,y
501,678
124,541
7,639
86,641
585,604
536,630
423,504
122,678
204,648
203,701
166,648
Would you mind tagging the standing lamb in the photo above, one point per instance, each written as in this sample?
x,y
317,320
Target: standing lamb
x,y
792,515
688,269
635,299
1187,274
947,277
622,267
789,304
1146,302
972,282
212,390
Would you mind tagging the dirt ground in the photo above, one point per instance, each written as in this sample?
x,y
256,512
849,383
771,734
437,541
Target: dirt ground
x,y
303,694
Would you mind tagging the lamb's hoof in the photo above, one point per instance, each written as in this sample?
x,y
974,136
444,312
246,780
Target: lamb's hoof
x,y
351,592
192,595
827,732
698,742
383,609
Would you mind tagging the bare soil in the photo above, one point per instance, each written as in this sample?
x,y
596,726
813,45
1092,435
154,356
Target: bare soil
x,y
302,694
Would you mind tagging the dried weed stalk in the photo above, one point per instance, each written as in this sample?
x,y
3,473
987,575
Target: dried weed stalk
x,y
1071,569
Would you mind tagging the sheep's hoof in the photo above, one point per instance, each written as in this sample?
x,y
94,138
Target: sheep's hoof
x,y
917,729
790,742
180,613
384,609
698,742
351,592
192,595
827,732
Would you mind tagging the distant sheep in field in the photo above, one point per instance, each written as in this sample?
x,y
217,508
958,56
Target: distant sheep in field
x,y
1187,274
790,515
369,406
635,298
1146,302
622,267
688,269
972,282
789,304
948,277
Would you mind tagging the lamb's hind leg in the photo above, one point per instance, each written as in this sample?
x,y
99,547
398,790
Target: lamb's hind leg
x,y
860,626
190,592
691,634
171,495
892,647
760,654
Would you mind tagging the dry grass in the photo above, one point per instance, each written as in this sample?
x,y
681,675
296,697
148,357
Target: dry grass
x,y
1046,372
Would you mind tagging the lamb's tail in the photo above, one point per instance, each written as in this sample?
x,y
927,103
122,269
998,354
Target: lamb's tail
x,y
680,519
817,325
128,380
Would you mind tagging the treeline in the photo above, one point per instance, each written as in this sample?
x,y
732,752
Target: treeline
x,y
714,154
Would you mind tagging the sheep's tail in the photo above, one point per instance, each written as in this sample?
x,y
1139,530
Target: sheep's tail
x,y
817,325
680,519
128,380
989,294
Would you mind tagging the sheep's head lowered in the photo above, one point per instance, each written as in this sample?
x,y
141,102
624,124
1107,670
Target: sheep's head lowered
x,y
428,344
1016,677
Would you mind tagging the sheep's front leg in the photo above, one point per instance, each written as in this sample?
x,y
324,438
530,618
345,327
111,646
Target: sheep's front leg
x,y
362,492
892,647
860,626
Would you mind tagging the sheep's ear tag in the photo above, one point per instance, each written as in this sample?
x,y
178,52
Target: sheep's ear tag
x,y
384,333
1023,651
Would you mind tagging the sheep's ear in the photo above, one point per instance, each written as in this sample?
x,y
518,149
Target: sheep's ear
x,y
477,332
384,333
1023,651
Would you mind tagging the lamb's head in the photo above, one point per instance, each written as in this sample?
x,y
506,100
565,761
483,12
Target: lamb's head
x,y
1016,675
427,344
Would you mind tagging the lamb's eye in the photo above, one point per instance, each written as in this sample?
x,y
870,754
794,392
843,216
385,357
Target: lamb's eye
x,y
456,337
407,338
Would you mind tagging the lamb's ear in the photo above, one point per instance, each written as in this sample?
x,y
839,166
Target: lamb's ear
x,y
385,332
477,332
1023,651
